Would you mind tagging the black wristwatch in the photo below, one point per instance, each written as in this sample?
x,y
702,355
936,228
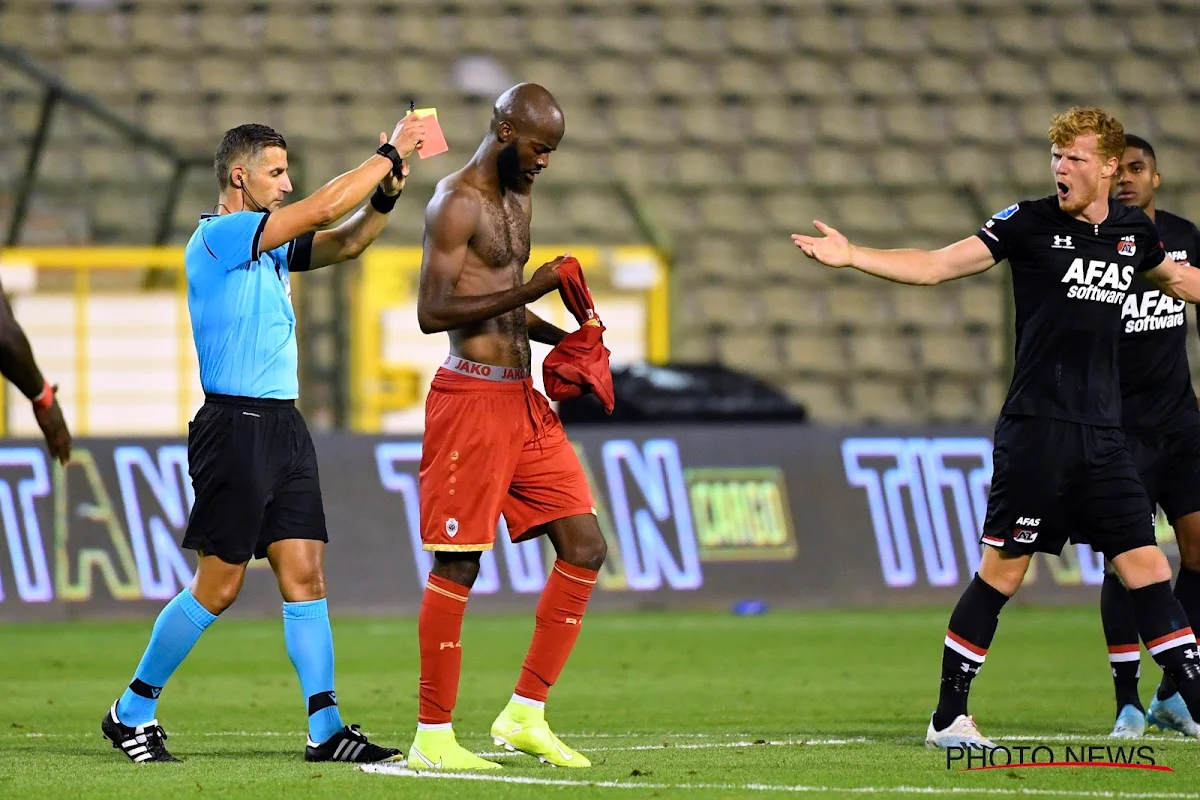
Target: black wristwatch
x,y
390,152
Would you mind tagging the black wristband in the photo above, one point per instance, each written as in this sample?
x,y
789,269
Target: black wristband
x,y
391,153
383,202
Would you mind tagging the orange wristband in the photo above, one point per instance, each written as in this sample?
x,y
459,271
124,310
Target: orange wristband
x,y
45,399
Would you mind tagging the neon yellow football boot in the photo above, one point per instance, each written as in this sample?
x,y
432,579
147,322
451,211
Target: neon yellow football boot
x,y
524,728
438,749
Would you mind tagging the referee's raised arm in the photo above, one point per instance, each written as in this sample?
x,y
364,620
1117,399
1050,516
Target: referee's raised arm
x,y
251,458
338,197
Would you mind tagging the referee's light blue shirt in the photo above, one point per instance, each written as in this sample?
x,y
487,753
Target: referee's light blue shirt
x,y
240,302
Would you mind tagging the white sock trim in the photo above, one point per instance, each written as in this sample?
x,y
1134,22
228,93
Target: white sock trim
x,y
525,701
428,726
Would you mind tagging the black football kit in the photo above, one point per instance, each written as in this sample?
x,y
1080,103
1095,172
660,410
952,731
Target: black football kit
x,y
1061,466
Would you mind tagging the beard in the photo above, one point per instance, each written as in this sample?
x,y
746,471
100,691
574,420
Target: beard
x,y
1078,198
508,161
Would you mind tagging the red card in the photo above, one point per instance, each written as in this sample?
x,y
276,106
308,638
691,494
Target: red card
x,y
435,140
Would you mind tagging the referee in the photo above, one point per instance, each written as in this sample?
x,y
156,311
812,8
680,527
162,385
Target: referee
x,y
251,459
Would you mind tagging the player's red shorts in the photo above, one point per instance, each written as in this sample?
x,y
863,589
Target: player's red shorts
x,y
493,446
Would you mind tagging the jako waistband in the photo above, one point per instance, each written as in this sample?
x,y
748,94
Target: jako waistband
x,y
485,372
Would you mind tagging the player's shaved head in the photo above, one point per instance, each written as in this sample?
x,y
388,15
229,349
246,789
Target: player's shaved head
x,y
527,125
529,109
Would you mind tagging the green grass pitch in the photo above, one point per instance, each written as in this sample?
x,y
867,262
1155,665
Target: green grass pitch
x,y
828,704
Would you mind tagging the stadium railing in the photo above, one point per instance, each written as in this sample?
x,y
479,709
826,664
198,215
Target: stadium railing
x,y
392,361
56,92
125,362
121,354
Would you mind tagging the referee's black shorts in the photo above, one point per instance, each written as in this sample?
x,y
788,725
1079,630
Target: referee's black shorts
x,y
1054,480
254,472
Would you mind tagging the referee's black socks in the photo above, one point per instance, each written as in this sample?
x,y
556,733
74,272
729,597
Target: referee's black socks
x,y
972,626
1165,630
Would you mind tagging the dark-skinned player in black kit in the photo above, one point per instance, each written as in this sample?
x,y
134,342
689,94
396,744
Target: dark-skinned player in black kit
x,y
1162,425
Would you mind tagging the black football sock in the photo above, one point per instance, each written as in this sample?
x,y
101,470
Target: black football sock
x,y
1121,634
972,626
1187,592
1164,629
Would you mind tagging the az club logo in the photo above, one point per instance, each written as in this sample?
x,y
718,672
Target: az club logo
x,y
1126,247
1022,534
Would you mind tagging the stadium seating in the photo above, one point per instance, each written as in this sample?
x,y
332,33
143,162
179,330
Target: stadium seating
x,y
902,122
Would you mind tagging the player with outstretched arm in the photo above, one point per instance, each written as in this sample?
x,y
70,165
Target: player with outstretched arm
x,y
1062,468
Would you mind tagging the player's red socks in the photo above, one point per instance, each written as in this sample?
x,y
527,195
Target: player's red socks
x,y
439,630
559,616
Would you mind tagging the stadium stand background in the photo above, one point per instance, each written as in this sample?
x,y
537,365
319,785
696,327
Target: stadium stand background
x,y
735,122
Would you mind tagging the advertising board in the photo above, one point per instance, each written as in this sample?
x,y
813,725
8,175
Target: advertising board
x,y
695,516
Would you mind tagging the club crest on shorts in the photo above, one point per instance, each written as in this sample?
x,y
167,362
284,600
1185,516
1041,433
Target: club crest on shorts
x,y
452,527
1022,534
1127,246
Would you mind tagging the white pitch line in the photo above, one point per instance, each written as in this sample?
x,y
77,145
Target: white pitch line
x,y
629,748
628,735
77,735
701,746
652,734
404,772
1073,737
1099,738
